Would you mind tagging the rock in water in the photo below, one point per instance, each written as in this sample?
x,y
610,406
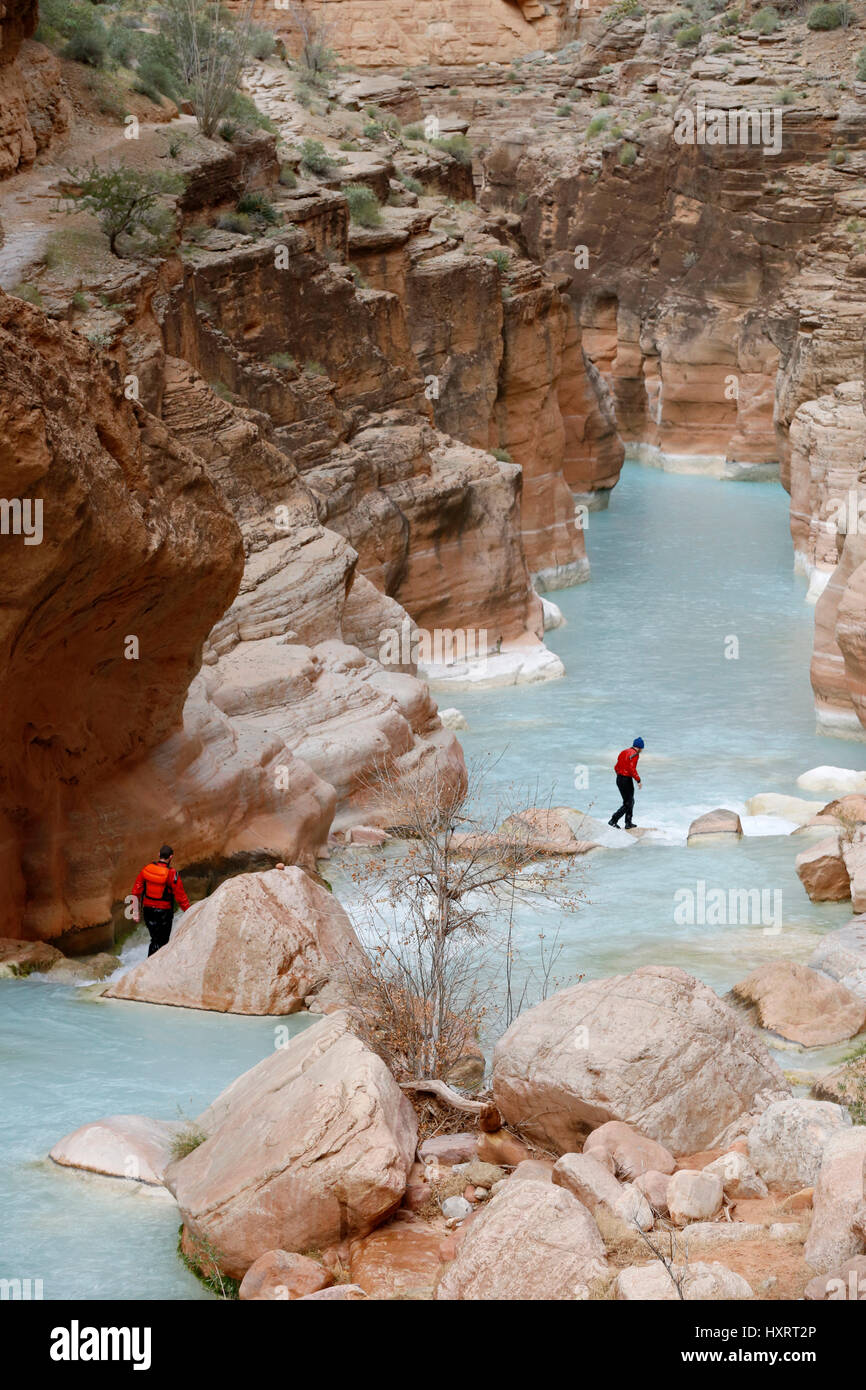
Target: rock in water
x,y
655,1048
822,872
841,954
802,1005
715,824
311,1146
260,944
120,1146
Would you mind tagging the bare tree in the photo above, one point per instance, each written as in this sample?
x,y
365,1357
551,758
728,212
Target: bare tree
x,y
315,33
212,50
437,917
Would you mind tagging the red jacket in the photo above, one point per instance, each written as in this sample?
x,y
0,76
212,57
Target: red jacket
x,y
161,887
626,764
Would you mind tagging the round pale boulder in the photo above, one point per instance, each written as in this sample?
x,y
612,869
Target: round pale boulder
x,y
792,808
842,780
715,825
283,1275
822,872
656,1049
532,1241
632,1153
120,1146
787,1142
263,943
738,1176
694,1195
802,1005
698,1283
314,1144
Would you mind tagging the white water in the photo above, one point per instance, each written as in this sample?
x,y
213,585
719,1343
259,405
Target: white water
x,y
680,564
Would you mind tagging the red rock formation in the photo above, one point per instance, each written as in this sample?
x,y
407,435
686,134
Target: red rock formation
x,y
32,108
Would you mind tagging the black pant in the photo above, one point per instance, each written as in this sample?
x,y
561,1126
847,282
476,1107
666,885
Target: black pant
x,y
626,791
158,923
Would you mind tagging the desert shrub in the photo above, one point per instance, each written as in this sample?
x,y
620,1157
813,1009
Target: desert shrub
x,y
243,109
258,206
413,132
829,16
283,361
364,207
29,293
457,146
316,159
413,185
186,1141
499,258
766,21
627,154
861,65
235,222
288,177
262,43
787,96
604,98
688,36
596,126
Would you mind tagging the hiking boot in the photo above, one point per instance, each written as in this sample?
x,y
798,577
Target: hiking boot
x,y
614,823
630,825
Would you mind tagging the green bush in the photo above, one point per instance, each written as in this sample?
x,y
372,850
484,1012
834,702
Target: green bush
x,y
596,126
766,21
262,42
257,205
501,259
457,146
243,109
413,132
316,159
688,36
364,207
829,16
861,65
412,185
234,222
787,96
29,293
627,154
88,41
288,177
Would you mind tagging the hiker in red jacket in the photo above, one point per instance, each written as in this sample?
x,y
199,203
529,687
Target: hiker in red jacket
x,y
158,888
626,776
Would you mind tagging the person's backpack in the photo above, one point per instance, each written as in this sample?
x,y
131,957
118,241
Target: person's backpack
x,y
159,881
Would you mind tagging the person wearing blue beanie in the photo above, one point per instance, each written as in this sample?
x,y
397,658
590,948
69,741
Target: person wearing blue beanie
x,y
626,776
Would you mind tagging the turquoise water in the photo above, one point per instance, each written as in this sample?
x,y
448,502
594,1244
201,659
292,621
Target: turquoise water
x,y
67,1058
680,565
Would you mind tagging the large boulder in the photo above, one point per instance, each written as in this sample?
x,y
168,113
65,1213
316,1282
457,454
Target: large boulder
x,y
311,1146
841,954
263,943
533,1241
715,825
120,1146
844,780
787,1142
655,1048
400,1260
738,1176
838,1202
854,855
802,1005
822,872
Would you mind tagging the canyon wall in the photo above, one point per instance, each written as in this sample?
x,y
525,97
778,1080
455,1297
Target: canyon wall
x,y
32,108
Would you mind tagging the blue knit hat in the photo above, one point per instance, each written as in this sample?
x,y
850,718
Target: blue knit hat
x,y
637,743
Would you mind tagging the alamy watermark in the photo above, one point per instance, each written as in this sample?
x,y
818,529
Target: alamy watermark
x,y
741,125
747,907
443,646
21,516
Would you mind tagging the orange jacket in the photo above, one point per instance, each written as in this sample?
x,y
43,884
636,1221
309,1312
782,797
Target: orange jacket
x,y
159,886
626,764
